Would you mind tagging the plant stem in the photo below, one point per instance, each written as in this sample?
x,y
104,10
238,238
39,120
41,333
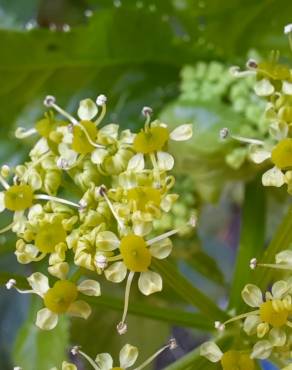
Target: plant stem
x,y
252,237
187,291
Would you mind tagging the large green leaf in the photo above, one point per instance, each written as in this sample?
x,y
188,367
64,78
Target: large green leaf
x,y
165,37
37,349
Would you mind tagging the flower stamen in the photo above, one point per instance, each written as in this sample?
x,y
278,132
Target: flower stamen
x,y
191,222
102,192
225,133
56,199
122,326
171,345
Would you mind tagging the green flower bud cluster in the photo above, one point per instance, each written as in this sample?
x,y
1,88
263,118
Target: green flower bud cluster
x,y
119,185
213,81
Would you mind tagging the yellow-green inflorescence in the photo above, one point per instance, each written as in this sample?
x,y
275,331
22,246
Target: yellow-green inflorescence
x,y
273,151
91,193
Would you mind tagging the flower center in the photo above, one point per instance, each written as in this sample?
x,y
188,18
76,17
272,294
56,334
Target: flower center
x,y
151,141
59,298
142,195
269,315
18,197
234,360
49,236
274,71
80,142
282,154
135,253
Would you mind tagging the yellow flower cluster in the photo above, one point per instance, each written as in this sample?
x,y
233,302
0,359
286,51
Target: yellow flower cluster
x,y
118,184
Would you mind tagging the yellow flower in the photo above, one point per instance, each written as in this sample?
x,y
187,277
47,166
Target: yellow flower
x,y
61,298
229,360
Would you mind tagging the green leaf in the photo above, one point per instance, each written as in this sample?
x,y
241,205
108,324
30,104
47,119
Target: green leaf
x,y
182,286
252,238
207,266
36,349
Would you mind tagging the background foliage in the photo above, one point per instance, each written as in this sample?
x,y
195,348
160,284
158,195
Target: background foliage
x,y
134,51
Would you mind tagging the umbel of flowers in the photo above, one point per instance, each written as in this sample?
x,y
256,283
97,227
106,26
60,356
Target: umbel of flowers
x,y
273,84
90,193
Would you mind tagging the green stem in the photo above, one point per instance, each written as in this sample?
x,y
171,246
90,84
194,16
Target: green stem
x,y
187,291
281,240
252,238
173,316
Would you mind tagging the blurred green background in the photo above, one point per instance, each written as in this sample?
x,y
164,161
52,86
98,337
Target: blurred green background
x,y
136,52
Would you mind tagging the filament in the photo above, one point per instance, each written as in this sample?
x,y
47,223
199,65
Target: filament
x,y
151,358
56,199
102,192
242,316
90,360
7,228
122,326
102,114
64,113
170,233
275,266
156,169
4,183
247,140
87,136
21,133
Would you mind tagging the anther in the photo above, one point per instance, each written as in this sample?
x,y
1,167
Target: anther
x,y
253,263
252,64
122,328
102,190
172,344
82,205
10,284
101,100
147,111
219,326
101,261
66,28
49,101
288,28
88,13
224,133
17,368
75,350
